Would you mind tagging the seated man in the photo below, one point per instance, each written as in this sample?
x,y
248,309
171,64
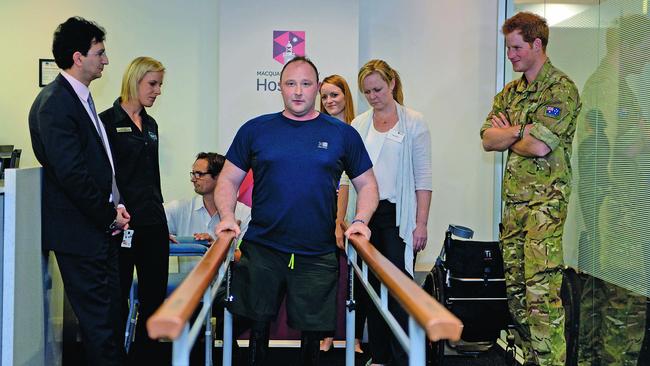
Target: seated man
x,y
198,216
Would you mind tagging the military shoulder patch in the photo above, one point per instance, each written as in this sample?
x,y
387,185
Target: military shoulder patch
x,y
553,112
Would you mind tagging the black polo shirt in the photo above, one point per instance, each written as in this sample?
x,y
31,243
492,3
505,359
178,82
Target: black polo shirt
x,y
137,172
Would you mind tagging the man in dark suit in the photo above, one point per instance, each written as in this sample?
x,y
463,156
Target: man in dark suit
x,y
81,220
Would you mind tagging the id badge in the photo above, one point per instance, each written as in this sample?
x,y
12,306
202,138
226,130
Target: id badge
x,y
126,239
395,136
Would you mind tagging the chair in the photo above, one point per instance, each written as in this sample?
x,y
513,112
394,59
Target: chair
x,y
186,247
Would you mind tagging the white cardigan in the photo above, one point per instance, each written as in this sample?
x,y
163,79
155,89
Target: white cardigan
x,y
414,171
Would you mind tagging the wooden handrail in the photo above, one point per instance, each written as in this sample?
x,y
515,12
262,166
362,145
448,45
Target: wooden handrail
x,y
170,318
438,322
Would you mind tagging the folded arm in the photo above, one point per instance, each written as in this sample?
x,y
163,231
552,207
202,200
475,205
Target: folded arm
x,y
504,136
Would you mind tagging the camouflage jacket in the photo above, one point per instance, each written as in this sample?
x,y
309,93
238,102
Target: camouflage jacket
x,y
551,104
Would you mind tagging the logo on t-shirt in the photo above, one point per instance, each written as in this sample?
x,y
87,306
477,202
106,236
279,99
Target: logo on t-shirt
x,y
152,136
322,144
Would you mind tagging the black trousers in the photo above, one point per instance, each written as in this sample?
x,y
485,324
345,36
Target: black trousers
x,y
92,285
149,254
384,347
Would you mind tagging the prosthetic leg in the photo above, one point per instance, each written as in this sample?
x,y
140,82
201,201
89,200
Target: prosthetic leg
x,y
309,348
258,347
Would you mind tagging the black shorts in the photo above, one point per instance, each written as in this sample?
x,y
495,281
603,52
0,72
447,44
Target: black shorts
x,y
263,276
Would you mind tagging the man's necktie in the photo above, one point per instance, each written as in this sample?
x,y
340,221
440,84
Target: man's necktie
x,y
102,137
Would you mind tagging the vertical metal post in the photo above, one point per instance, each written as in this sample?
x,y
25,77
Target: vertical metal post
x,y
351,307
227,324
207,301
384,297
181,348
417,349
413,341
227,338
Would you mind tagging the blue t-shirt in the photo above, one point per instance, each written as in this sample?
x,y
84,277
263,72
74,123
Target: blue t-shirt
x,y
296,166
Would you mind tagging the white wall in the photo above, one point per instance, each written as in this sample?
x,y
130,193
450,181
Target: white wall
x,y
182,35
445,52
246,39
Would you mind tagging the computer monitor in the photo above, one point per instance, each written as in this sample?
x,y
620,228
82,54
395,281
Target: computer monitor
x,y
6,150
15,158
9,158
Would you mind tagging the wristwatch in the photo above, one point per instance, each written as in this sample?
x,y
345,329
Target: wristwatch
x,y
522,131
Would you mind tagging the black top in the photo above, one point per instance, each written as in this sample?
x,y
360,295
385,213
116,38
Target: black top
x,y
135,155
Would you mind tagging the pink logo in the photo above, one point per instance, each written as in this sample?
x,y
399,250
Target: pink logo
x,y
287,45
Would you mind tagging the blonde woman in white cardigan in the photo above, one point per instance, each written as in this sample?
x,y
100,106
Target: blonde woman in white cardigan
x,y
399,145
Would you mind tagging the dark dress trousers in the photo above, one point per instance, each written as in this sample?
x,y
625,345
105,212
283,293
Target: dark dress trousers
x,y
76,214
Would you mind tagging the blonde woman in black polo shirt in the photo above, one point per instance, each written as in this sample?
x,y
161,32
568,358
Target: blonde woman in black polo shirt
x,y
133,136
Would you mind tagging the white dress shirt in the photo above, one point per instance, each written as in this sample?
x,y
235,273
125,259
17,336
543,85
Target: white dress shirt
x,y
188,217
83,92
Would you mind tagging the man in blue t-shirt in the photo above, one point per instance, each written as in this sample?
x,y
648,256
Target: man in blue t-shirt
x,y
297,157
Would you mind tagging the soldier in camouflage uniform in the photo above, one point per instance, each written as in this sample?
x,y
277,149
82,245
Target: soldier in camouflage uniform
x,y
612,318
533,118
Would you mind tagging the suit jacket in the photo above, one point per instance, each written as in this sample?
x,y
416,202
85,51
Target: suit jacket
x,y
77,175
